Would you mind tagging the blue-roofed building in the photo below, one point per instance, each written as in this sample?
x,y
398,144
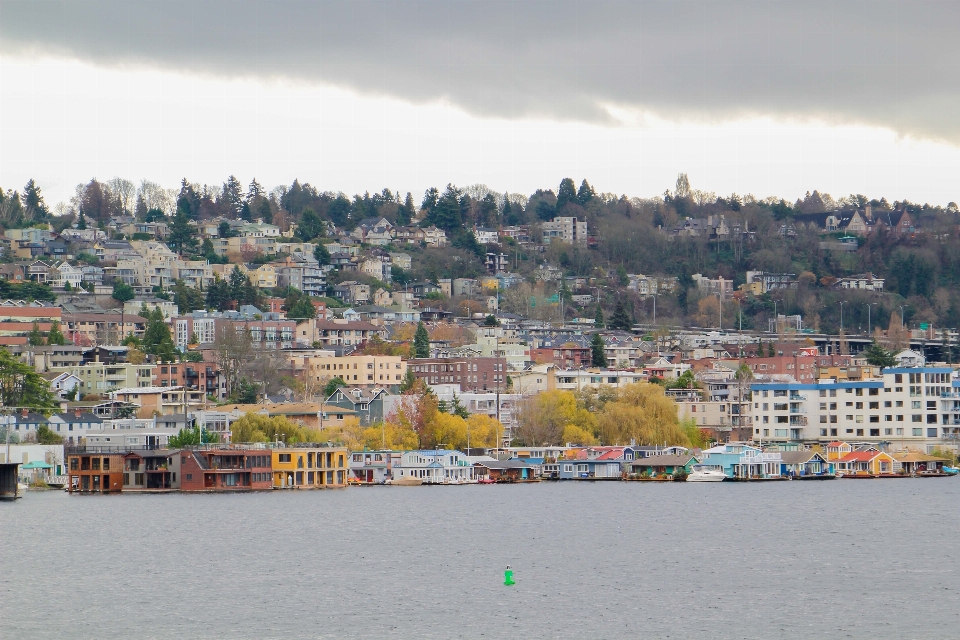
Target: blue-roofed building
x,y
904,408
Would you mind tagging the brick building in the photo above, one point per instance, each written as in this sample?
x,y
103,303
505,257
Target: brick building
x,y
225,470
472,374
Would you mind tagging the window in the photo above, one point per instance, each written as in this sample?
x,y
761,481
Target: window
x,y
849,430
74,464
874,405
931,418
859,418
886,404
899,418
916,418
859,432
931,405
833,420
898,378
874,392
284,457
780,433
833,432
823,432
782,419
899,403
859,392
823,394
189,476
918,432
874,418
899,431
833,406
859,405
874,432
766,419
932,433
823,420
888,418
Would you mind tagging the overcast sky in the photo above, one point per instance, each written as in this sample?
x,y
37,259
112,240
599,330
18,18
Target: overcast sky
x,y
769,98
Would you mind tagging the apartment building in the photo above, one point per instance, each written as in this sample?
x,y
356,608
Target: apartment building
x,y
18,317
305,467
907,407
102,377
469,374
359,370
570,230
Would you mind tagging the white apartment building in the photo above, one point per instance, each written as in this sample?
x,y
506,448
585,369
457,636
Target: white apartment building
x,y
908,408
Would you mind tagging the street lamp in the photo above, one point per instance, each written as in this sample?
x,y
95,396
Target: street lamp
x,y
901,314
869,309
841,315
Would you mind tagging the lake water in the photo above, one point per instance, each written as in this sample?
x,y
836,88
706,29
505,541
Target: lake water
x,y
840,559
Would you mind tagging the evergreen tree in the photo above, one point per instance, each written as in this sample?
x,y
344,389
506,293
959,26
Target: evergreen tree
x,y
406,212
156,337
182,238
446,214
55,336
879,357
321,254
598,321
188,201
586,193
265,212
771,352
255,191
231,197
421,342
760,348
620,318
302,309
140,209
566,193
187,298
218,294
245,213
598,357
35,337
122,291
331,388
310,226
81,221
33,203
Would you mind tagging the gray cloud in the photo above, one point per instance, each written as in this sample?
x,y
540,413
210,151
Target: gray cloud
x,y
890,63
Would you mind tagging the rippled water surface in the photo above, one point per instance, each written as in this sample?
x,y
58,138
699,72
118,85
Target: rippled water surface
x,y
847,558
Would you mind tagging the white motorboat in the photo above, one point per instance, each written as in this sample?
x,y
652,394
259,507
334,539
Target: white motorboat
x,y
702,473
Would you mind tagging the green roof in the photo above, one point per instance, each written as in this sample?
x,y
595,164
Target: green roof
x,y
36,465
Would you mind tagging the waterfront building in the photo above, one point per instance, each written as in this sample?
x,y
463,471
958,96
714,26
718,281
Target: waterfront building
x,y
803,463
373,467
94,472
589,469
309,467
663,464
868,462
907,407
742,461
226,469
151,469
434,467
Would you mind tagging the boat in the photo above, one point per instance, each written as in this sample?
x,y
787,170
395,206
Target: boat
x,y
405,481
950,471
701,473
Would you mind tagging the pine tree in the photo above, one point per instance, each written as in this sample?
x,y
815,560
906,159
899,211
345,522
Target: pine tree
x,y
55,336
771,352
231,197
586,193
303,309
598,357
566,193
182,238
156,337
81,221
620,318
421,342
265,212
35,337
599,322
33,202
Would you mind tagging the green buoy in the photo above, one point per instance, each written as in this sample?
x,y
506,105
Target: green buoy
x,y
508,577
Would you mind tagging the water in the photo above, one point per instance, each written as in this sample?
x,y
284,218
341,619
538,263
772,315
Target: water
x,y
850,559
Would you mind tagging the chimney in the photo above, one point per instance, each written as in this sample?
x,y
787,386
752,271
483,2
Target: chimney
x,y
24,412
77,412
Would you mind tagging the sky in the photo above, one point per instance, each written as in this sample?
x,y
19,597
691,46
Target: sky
x,y
769,98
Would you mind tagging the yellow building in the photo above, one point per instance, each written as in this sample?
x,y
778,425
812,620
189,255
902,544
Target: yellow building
x,y
306,467
358,370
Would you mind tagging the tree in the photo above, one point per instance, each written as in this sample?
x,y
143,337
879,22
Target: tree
x,y
642,413
620,319
33,203
81,221
598,358
182,238
771,352
231,197
598,320
321,254
46,436
586,193
310,226
302,309
491,321
156,337
421,342
544,417
55,336
265,211
21,385
878,356
409,380
187,298
192,437
35,337
566,193
122,292
332,385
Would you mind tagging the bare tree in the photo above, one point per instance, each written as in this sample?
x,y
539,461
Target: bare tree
x,y
232,348
124,191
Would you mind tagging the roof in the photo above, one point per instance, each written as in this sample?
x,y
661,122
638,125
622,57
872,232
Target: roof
x,y
284,408
916,456
144,390
861,456
797,457
36,465
664,461
613,454
503,464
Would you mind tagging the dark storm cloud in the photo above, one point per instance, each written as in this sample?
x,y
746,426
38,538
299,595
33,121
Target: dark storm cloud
x,y
888,63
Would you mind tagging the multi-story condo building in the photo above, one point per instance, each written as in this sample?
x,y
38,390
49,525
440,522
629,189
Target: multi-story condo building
x,y
907,407
569,230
